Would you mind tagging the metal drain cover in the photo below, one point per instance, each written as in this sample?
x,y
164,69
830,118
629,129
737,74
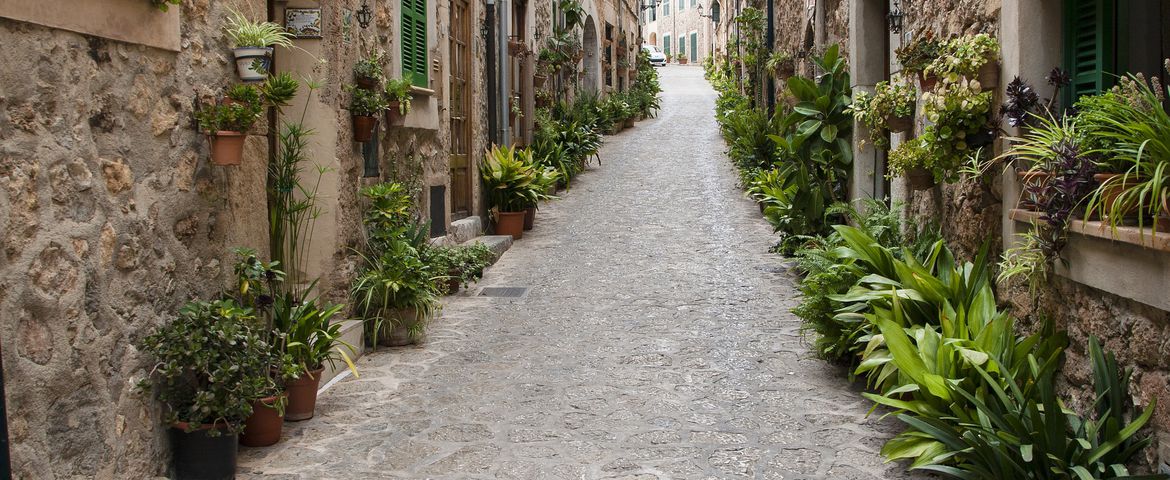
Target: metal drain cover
x,y
504,292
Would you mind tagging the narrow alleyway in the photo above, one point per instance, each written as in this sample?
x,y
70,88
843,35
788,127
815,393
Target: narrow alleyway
x,y
654,342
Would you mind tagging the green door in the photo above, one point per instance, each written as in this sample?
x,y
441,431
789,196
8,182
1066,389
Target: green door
x,y
666,46
694,47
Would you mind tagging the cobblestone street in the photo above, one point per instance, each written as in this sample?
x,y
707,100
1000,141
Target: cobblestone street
x,y
655,342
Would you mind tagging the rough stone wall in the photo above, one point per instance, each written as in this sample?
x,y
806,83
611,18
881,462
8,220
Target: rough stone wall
x,y
112,217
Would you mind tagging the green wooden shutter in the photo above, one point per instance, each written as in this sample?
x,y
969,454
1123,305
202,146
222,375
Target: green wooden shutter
x,y
666,46
1089,46
414,41
694,47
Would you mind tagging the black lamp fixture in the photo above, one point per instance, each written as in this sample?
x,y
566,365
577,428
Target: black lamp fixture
x,y
364,15
896,17
649,5
714,15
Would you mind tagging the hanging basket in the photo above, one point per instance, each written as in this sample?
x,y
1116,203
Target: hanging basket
x,y
900,124
227,147
538,80
919,179
516,48
394,116
989,76
363,128
927,82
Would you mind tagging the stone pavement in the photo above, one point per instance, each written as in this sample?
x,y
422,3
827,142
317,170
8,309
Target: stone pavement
x,y
656,342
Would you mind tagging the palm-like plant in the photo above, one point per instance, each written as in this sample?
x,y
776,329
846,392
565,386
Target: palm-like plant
x,y
508,179
244,32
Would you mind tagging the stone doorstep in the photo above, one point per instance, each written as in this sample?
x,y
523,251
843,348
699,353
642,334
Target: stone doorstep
x,y
465,229
351,333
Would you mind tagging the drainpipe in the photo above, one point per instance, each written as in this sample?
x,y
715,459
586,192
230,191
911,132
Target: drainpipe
x,y
771,40
819,26
5,462
491,73
505,99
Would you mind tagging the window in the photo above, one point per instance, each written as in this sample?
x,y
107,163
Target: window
x,y
666,46
682,5
666,8
682,45
1104,38
693,3
654,14
694,46
414,41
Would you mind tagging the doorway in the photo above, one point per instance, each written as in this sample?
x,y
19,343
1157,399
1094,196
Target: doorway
x,y
460,55
519,74
592,63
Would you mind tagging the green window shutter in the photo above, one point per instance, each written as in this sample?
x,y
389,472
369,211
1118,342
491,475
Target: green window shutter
x,y
1089,46
694,47
666,46
682,5
414,41
666,8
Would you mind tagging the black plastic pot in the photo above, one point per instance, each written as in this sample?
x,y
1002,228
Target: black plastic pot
x,y
198,456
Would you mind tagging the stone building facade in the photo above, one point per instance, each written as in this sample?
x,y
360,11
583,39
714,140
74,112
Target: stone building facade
x,y
681,27
1112,288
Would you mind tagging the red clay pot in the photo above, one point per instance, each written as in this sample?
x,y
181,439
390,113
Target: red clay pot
x,y
919,179
529,218
366,83
899,124
1115,189
363,128
263,428
510,223
227,147
394,114
302,396
927,82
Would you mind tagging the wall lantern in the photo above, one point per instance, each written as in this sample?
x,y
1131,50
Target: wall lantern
x,y
896,17
649,5
364,15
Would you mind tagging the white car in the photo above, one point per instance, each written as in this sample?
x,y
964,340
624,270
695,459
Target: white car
x,y
657,58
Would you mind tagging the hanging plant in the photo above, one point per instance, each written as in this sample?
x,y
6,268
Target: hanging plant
x,y
364,106
889,108
226,123
398,96
252,44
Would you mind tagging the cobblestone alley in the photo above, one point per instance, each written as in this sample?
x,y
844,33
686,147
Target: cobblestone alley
x,y
655,342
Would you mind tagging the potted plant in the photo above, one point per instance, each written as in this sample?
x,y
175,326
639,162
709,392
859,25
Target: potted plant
x,y
912,160
1128,128
508,181
396,291
918,54
970,56
258,284
367,72
226,123
891,107
516,46
364,106
253,45
544,180
398,93
682,58
208,369
462,264
957,113
312,340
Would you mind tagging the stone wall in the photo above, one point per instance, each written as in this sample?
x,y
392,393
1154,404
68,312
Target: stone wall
x,y
112,218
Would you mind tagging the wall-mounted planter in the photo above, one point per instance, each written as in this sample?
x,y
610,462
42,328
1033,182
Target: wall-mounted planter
x,y
227,147
900,124
515,48
363,128
989,76
366,83
538,80
919,179
248,58
927,82
394,114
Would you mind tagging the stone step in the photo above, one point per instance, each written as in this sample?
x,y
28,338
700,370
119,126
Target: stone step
x,y
465,229
353,334
497,243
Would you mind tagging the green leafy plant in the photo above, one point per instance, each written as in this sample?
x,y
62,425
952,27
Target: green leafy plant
x,y
366,103
466,263
964,55
779,61
918,54
279,89
313,339
242,109
889,101
164,5
247,33
509,179
958,112
209,365
369,68
400,90
292,200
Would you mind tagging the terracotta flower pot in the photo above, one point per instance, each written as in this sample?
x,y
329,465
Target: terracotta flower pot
x,y
302,396
453,282
366,83
900,124
919,179
510,223
263,428
200,456
538,80
227,148
394,114
1033,180
629,122
1113,190
363,128
403,329
529,218
515,47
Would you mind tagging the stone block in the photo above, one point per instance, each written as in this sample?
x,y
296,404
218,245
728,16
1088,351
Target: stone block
x,y
466,229
497,243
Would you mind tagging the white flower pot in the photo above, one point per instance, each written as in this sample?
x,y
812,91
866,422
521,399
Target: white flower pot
x,y
246,59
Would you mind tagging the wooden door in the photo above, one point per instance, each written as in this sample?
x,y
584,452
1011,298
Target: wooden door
x,y
462,172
